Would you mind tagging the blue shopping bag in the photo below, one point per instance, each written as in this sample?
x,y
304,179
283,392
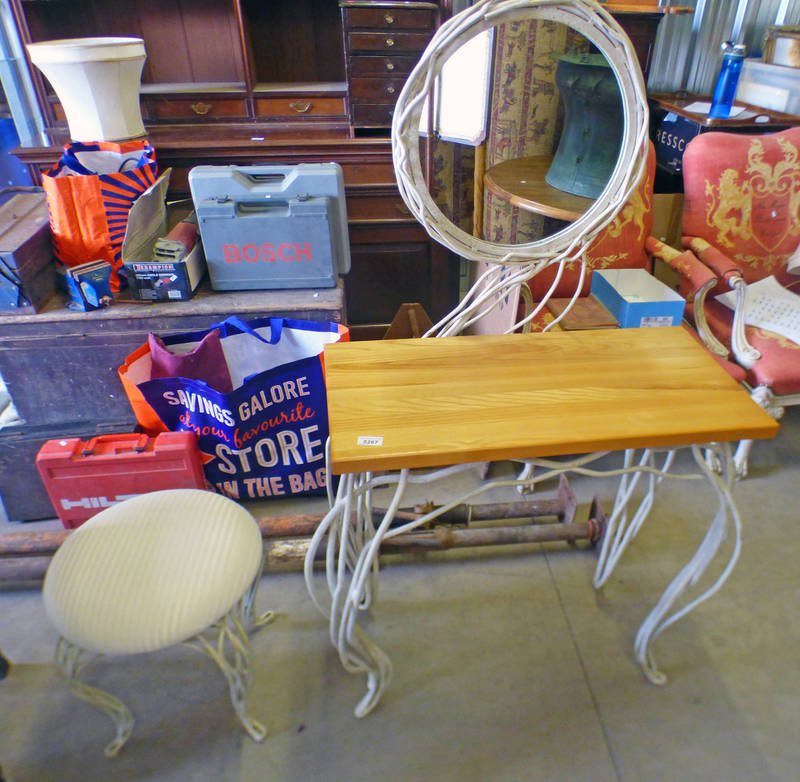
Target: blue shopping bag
x,y
265,437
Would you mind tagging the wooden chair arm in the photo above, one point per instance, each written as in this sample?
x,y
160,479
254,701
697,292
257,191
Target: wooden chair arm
x,y
703,266
693,271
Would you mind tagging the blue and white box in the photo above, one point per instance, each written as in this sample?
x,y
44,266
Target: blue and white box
x,y
636,298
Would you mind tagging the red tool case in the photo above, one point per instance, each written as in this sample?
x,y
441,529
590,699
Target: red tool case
x,y
83,477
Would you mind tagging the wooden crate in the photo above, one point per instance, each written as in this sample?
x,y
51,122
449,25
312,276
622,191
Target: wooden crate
x,y
62,365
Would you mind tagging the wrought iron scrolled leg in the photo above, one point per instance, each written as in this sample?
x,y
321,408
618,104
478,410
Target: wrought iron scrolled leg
x,y
249,602
621,529
68,658
658,619
232,654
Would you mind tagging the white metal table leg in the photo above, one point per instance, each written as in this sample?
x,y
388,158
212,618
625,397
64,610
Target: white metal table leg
x,y
658,620
352,545
620,530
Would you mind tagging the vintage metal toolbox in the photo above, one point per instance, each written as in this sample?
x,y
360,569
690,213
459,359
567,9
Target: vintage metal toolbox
x,y
271,227
83,477
27,270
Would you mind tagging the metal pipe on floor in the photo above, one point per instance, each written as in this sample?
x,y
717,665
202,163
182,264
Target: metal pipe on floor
x,y
25,556
286,552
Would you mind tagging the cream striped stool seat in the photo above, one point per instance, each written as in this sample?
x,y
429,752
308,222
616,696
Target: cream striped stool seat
x,y
156,570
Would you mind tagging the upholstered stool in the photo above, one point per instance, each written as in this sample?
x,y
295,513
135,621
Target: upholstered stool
x,y
153,571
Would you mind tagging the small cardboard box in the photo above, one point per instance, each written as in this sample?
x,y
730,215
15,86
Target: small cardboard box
x,y
636,298
162,280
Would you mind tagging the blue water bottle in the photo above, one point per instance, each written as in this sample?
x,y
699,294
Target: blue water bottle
x,y
725,91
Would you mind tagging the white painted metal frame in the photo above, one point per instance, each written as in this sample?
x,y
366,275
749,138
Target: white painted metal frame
x,y
517,263
231,652
352,544
347,534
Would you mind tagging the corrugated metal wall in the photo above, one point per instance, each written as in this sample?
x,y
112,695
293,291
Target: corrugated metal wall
x,y
687,51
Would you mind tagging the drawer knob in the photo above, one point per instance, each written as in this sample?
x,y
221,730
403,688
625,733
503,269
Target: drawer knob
x,y
390,41
389,19
389,66
201,108
390,90
301,107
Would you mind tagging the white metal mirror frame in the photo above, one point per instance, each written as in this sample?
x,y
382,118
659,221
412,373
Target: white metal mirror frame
x,y
599,27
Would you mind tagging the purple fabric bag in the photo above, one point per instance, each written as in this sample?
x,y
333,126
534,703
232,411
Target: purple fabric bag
x,y
206,362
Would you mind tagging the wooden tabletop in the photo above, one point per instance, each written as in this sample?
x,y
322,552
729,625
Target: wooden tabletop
x,y
432,402
521,183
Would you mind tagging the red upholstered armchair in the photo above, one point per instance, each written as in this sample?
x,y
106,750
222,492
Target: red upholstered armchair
x,y
741,223
625,243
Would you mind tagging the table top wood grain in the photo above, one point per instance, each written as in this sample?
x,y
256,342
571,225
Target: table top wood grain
x,y
432,402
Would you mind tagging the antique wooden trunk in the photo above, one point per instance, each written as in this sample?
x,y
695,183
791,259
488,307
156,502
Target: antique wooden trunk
x,y
27,270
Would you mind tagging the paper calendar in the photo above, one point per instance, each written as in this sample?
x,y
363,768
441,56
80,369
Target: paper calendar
x,y
769,306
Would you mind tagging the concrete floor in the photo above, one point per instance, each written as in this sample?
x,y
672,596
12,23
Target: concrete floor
x,y
508,666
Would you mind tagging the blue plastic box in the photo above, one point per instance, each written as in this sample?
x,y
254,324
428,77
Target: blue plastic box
x,y
636,298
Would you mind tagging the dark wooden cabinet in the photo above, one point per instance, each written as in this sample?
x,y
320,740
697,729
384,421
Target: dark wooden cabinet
x,y
382,43
211,60
281,82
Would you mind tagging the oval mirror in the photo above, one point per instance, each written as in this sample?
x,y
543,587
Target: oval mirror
x,y
463,83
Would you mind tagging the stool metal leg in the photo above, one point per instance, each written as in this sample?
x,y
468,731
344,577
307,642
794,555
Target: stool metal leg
x,y
248,612
231,653
68,658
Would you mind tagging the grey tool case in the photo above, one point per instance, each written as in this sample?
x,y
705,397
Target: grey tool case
x,y
271,227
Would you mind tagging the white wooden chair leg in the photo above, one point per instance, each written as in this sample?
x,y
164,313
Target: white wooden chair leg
x,y
742,457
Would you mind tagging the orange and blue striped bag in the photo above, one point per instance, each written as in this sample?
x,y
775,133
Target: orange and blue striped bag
x,y
89,194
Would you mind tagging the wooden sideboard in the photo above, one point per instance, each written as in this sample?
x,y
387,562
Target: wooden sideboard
x,y
382,43
283,82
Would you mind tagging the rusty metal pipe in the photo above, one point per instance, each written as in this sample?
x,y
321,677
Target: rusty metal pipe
x,y
443,538
26,555
23,569
292,552
32,544
35,544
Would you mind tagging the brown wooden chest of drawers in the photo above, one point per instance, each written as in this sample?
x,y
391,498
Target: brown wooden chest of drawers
x,y
383,41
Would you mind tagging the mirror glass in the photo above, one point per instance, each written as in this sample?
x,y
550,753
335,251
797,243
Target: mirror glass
x,y
561,112
531,111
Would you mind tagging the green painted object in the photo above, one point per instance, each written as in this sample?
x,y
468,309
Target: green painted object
x,y
593,122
